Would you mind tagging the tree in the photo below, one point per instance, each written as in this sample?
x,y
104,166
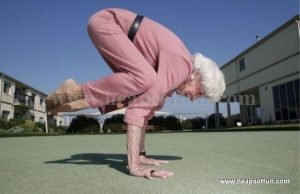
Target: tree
x,y
158,121
211,120
166,123
198,122
187,124
172,123
114,123
83,124
115,119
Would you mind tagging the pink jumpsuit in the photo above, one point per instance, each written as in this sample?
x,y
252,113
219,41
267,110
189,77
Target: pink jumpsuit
x,y
150,67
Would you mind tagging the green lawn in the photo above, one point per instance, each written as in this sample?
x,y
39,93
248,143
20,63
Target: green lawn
x,y
97,163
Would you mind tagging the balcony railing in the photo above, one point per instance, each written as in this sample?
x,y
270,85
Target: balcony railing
x,y
23,99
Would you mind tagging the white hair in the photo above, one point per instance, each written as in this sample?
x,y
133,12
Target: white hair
x,y
211,77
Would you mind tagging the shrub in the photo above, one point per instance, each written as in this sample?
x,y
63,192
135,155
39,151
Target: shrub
x,y
116,127
91,129
53,128
16,122
159,128
4,124
28,125
39,125
187,124
166,123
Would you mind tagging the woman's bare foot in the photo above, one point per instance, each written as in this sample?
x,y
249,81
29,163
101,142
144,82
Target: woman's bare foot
x,y
60,96
69,107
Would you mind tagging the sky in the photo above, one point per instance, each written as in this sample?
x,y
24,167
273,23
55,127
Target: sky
x,y
44,42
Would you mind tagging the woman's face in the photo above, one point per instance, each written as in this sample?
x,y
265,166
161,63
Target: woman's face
x,y
191,89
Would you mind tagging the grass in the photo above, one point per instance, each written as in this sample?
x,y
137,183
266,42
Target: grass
x,y
97,163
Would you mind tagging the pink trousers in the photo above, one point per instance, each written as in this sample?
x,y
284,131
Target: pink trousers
x,y
133,74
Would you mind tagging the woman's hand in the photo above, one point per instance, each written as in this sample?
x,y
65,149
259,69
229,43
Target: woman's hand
x,y
150,161
149,173
136,168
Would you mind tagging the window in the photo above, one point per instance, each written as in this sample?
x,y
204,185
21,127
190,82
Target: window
x,y
41,120
286,101
277,105
33,99
42,100
5,115
242,64
297,93
18,116
291,100
7,88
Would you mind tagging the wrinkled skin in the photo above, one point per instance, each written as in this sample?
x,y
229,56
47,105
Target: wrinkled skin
x,y
192,88
137,163
69,98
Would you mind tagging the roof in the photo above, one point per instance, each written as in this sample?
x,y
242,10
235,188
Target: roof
x,y
3,75
279,29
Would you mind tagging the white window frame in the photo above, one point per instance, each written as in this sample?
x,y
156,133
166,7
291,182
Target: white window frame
x,y
9,89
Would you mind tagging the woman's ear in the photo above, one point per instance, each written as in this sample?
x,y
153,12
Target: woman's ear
x,y
192,76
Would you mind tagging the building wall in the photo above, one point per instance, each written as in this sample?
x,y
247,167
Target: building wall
x,y
267,100
231,76
38,111
7,100
278,47
58,120
9,108
277,71
273,59
40,106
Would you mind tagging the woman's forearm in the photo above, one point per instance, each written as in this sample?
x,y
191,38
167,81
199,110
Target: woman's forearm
x,y
133,146
142,141
136,163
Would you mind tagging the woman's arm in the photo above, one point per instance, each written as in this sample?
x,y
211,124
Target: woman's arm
x,y
143,158
136,168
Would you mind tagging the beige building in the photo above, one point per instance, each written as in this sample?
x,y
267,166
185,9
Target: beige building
x,y
20,101
268,75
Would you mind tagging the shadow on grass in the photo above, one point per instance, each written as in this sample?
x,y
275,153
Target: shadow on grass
x,y
116,161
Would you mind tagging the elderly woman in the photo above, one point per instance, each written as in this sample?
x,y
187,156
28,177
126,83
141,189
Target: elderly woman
x,y
149,63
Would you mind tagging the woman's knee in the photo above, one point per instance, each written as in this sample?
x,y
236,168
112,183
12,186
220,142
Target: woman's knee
x,y
93,23
96,21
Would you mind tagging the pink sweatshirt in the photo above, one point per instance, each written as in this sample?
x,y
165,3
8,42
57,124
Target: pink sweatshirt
x,y
161,49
